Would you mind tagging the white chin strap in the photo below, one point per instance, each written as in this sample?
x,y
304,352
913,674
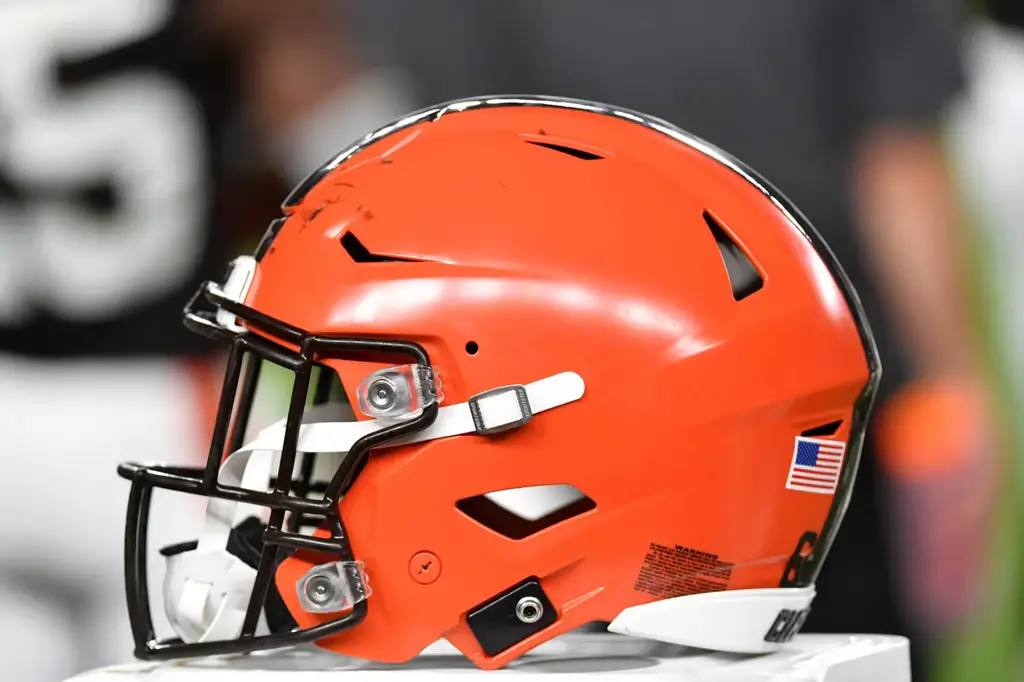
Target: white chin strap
x,y
206,590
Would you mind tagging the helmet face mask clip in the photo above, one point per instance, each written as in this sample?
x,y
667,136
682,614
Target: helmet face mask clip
x,y
399,391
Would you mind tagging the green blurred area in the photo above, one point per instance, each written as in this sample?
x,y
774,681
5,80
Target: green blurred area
x,y
993,648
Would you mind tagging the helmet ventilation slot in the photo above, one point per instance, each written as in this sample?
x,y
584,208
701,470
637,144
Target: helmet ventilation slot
x,y
521,512
744,276
571,151
821,430
361,254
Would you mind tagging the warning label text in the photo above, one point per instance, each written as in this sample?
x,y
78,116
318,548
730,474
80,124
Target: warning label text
x,y
674,571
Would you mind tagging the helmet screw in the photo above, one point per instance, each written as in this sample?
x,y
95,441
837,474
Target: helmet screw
x,y
529,610
382,394
319,590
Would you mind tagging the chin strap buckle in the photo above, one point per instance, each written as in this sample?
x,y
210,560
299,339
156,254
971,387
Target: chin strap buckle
x,y
500,409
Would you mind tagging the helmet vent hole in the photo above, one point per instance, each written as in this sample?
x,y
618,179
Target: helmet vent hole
x,y
518,513
472,348
571,151
828,429
743,274
361,254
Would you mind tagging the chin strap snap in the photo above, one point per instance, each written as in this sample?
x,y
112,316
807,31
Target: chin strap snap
x,y
206,588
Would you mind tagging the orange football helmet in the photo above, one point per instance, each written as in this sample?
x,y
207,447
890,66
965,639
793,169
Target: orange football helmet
x,y
597,370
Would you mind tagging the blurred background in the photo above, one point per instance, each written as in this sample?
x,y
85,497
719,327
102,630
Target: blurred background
x,y
143,143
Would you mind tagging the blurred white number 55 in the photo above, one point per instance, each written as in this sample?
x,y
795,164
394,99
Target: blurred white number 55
x,y
139,131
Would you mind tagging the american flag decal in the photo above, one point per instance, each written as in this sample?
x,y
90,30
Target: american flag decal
x,y
816,465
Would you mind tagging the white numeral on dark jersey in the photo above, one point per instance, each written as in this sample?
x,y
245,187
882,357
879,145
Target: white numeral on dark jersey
x,y
138,131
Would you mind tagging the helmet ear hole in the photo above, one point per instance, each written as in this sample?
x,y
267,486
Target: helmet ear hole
x,y
518,513
472,348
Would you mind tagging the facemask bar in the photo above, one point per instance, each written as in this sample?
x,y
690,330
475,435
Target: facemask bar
x,y
246,398
204,481
303,485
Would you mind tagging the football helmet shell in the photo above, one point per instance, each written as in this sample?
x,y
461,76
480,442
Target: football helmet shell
x,y
606,303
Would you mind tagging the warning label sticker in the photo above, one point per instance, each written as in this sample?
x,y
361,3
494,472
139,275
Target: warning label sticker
x,y
674,571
